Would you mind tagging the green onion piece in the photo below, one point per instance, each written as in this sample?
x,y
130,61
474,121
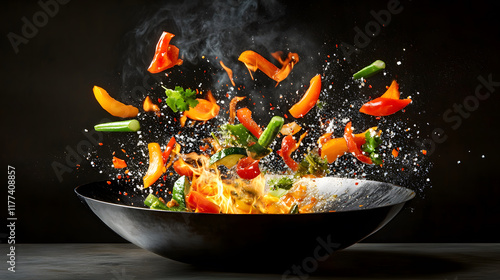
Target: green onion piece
x,y
370,70
294,209
121,126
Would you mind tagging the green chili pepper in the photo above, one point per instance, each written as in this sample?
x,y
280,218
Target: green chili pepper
x,y
370,70
178,193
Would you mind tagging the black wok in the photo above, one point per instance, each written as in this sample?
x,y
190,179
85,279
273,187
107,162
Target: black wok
x,y
361,208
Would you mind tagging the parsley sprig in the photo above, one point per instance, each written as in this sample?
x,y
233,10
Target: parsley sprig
x,y
180,100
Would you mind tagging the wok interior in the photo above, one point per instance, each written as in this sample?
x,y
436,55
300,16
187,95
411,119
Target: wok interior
x,y
333,194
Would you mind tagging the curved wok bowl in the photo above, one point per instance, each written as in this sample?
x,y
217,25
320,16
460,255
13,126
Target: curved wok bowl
x,y
200,238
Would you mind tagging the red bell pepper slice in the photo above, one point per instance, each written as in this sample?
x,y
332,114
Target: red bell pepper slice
x,y
288,146
168,149
248,168
166,55
245,117
380,107
199,203
309,99
352,147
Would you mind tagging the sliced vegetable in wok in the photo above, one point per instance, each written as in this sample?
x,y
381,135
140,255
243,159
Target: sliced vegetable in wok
x,y
254,61
155,169
388,104
309,99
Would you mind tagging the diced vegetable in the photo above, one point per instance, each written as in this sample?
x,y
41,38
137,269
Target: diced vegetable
x,y
119,163
309,99
120,126
155,169
166,55
371,146
370,70
290,128
248,168
393,91
113,106
150,199
232,108
245,117
199,203
181,100
331,149
228,157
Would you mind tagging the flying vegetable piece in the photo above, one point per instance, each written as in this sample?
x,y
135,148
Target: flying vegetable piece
x,y
309,99
228,71
288,146
182,168
205,110
119,163
155,169
232,108
168,149
149,106
199,203
254,61
261,148
290,128
166,55
370,70
113,106
179,190
352,147
333,148
120,126
387,104
245,117
180,99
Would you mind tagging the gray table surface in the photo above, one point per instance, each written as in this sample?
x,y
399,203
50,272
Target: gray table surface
x,y
361,261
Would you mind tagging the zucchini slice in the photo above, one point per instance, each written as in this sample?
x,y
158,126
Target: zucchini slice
x,y
228,157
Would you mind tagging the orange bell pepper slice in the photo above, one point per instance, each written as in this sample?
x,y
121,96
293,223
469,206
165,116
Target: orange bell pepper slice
x,y
199,203
228,71
149,106
155,169
333,148
290,128
166,55
309,99
205,110
254,61
245,117
113,106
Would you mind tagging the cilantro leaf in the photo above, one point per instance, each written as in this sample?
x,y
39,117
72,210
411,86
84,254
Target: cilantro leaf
x,y
180,100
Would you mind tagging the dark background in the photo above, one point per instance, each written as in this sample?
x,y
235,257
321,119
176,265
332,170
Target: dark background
x,y
47,102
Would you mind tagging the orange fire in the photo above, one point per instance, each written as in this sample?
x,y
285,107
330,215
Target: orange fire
x,y
234,195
